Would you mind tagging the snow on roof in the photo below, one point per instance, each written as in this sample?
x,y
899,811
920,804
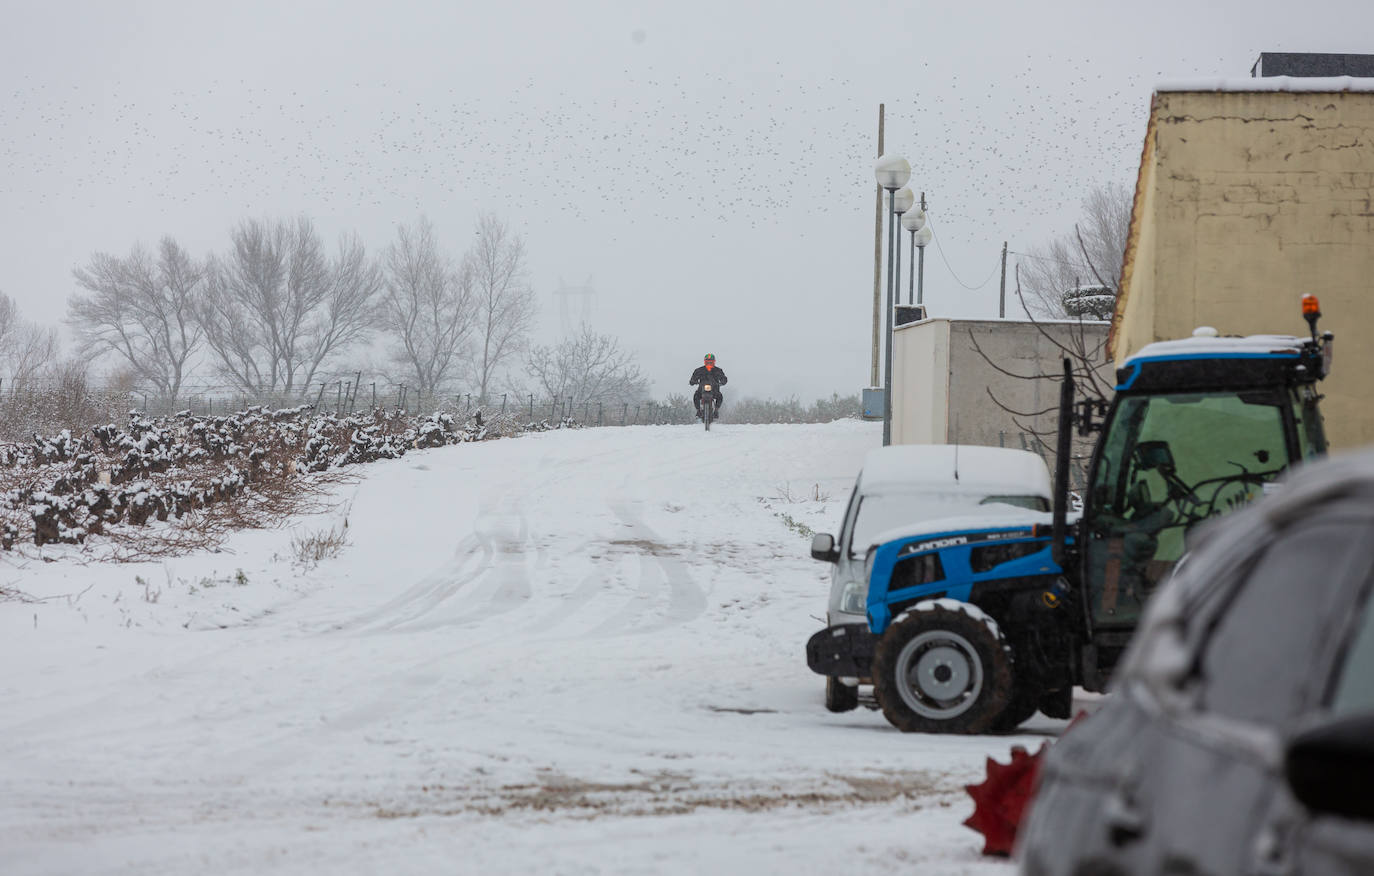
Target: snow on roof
x,y
1000,321
1272,83
1188,347
906,468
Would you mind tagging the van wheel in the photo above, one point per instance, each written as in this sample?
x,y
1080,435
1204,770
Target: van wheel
x,y
940,670
840,697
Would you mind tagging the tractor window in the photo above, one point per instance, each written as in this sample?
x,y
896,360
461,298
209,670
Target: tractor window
x,y
1167,463
1311,437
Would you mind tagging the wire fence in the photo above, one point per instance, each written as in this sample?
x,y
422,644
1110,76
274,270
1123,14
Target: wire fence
x,y
46,407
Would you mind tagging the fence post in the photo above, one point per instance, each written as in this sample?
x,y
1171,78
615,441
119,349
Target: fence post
x,y
468,405
598,413
318,398
624,412
531,407
637,407
503,402
553,406
374,395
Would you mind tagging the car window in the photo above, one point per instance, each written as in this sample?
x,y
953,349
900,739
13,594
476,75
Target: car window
x,y
1259,662
1355,682
879,513
847,522
1030,503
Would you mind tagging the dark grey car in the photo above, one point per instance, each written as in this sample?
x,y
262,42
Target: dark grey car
x,y
1240,736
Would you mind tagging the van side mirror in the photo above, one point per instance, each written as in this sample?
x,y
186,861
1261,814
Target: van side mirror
x,y
823,548
1330,767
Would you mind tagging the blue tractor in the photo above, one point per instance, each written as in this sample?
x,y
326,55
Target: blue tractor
x,y
974,624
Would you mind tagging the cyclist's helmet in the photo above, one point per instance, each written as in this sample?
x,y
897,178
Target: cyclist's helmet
x,y
710,358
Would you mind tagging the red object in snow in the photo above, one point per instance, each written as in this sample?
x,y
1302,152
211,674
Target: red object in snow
x,y
999,802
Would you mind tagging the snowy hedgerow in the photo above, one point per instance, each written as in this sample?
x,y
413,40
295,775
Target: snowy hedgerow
x,y
188,479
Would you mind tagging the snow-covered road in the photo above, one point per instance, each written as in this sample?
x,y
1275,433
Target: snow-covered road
x,y
571,652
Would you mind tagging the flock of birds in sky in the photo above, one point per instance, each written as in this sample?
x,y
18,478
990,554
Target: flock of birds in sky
x,y
712,146
702,156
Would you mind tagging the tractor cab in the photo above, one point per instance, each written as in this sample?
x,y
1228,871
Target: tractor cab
x,y
1198,427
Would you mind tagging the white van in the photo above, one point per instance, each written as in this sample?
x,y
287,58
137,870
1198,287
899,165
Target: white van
x,y
910,483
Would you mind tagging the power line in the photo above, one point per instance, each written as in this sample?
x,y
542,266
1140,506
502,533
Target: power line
x,y
951,270
1027,255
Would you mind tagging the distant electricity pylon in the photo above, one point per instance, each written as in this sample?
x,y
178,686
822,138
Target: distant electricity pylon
x,y
565,295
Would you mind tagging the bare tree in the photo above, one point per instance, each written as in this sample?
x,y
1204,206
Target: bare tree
x,y
9,319
141,309
503,299
276,307
1079,274
427,307
29,351
26,348
587,367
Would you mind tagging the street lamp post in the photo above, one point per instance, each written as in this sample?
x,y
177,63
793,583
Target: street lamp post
x,y
901,205
921,238
913,221
892,172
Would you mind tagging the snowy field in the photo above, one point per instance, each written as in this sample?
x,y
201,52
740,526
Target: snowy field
x,y
570,652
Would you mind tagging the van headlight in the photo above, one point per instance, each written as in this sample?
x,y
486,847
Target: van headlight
x,y
854,598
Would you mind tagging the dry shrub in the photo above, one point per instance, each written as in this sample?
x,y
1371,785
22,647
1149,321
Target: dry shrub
x,y
309,549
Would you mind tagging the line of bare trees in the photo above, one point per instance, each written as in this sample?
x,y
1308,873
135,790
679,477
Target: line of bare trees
x,y
275,311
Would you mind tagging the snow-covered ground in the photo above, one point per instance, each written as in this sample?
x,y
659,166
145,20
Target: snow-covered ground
x,y
570,652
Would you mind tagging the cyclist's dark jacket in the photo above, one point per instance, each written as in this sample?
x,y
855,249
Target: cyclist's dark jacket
x,y
716,377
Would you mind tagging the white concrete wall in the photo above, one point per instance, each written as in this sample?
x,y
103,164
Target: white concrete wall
x,y
945,390
920,382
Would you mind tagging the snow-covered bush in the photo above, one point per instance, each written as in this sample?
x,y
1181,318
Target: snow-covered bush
x,y
173,483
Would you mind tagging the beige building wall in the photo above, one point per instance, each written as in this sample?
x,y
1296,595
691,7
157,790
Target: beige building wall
x,y
1245,201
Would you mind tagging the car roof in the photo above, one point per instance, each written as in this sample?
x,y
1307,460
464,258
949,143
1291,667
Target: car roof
x,y
914,468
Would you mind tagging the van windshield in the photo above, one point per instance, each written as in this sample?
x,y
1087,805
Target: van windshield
x,y
879,513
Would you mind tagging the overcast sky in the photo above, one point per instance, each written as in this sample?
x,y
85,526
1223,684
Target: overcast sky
x,y
707,165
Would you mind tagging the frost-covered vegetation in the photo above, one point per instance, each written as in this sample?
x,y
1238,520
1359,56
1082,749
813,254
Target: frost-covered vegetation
x,y
157,486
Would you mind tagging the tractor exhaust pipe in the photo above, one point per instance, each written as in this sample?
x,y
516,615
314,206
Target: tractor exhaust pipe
x,y
1061,465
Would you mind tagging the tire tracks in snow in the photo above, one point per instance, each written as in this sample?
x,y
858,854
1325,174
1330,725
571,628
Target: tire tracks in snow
x,y
686,600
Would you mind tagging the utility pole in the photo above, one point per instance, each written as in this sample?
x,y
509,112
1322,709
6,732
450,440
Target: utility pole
x,y
877,255
921,263
1002,296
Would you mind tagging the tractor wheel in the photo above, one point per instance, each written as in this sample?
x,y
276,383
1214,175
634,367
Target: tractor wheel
x,y
840,697
1023,704
942,670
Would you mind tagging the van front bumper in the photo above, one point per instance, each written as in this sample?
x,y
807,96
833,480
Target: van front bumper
x,y
842,651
